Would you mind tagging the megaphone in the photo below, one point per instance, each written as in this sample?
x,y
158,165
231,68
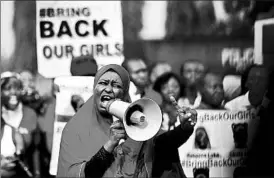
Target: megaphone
x,y
142,119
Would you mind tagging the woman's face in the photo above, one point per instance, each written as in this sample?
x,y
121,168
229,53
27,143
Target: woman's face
x,y
27,80
109,87
172,87
201,138
11,93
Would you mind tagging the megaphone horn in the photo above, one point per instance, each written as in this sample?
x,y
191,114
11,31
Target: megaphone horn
x,y
142,119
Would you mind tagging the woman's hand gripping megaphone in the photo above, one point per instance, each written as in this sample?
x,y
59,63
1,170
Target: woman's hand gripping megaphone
x,y
187,116
117,133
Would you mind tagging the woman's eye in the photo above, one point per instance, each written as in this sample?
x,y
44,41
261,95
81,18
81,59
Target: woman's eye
x,y
117,86
103,83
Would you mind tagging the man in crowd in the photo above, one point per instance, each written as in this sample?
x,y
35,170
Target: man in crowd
x,y
263,143
212,91
254,84
138,71
76,102
191,72
83,66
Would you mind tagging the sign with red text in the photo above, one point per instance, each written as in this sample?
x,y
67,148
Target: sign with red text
x,y
219,144
68,29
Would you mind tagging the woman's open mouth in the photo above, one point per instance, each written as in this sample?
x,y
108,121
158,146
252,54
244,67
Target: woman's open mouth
x,y
105,99
13,100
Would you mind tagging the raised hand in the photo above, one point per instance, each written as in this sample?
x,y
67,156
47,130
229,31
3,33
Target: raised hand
x,y
187,116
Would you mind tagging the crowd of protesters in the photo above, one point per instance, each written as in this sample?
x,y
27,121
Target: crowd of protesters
x,y
27,115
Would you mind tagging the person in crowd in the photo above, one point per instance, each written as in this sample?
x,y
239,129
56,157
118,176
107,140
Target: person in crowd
x,y
191,72
261,150
77,102
157,69
201,139
212,91
47,90
254,84
90,140
18,125
168,85
28,80
138,72
41,104
83,66
232,87
30,96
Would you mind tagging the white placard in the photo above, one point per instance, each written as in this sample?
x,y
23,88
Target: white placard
x,y
219,143
67,29
68,86
258,38
57,134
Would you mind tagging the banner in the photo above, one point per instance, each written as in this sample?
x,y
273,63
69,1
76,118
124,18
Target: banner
x,y
218,146
263,42
70,88
68,29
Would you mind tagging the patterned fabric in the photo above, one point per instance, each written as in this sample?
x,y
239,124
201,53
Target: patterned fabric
x,y
100,162
140,170
128,160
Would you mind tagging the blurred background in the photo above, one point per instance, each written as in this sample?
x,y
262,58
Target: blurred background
x,y
166,30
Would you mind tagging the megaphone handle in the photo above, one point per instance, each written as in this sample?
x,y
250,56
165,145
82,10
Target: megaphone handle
x,y
122,140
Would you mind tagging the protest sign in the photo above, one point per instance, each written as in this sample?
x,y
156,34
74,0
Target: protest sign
x,y
219,143
263,42
68,29
82,87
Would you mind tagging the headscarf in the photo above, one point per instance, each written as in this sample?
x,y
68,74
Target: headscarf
x,y
121,72
9,74
6,75
86,133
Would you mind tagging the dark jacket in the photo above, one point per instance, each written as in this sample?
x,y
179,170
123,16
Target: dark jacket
x,y
262,149
166,161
